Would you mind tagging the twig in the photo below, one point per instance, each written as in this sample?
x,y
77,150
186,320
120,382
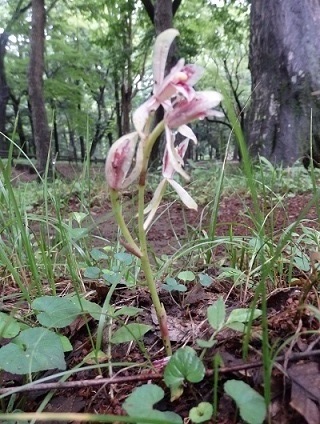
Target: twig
x,y
145,377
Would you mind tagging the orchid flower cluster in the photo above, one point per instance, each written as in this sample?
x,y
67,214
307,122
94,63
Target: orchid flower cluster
x,y
182,104
128,157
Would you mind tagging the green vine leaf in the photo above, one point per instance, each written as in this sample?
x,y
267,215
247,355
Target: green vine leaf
x,y
250,403
202,412
141,401
183,365
35,349
130,332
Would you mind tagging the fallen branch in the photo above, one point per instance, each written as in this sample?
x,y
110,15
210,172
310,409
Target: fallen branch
x,y
145,377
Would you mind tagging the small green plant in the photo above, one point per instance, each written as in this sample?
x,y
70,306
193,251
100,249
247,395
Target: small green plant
x,y
128,157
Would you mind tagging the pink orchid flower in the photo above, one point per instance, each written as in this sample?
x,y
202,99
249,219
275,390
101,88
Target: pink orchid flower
x,y
119,162
179,81
199,107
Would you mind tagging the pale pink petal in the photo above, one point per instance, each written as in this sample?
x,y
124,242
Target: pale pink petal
x,y
194,73
135,172
173,157
119,160
198,108
141,115
160,53
188,133
166,89
152,207
184,195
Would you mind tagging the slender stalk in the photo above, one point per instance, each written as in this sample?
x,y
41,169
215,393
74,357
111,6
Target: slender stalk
x,y
116,206
146,267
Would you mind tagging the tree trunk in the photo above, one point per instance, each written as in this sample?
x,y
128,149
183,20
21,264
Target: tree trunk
x,y
16,105
41,132
285,67
4,96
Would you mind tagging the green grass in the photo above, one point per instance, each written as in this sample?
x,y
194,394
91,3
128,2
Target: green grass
x,y
42,243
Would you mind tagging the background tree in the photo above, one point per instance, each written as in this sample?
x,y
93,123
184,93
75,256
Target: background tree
x,y
15,12
41,132
285,68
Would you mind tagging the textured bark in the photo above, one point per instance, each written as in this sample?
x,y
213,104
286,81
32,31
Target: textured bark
x,y
285,66
4,95
41,132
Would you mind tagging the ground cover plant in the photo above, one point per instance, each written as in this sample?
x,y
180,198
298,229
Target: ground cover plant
x,y
80,333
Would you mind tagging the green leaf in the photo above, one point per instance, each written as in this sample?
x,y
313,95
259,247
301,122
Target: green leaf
x,y
217,314
9,326
58,312
171,284
124,257
66,345
130,332
129,311
92,272
35,349
250,403
54,311
206,344
183,365
237,326
202,412
141,402
205,280
186,276
98,255
243,315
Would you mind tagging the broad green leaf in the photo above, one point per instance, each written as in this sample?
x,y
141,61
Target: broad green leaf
x,y
202,412
205,280
183,365
250,403
186,276
9,326
237,326
54,311
58,312
141,401
206,344
35,349
217,314
130,332
66,345
92,272
98,255
129,311
79,216
124,257
171,284
243,315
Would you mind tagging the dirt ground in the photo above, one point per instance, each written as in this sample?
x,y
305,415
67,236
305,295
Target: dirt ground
x,y
187,321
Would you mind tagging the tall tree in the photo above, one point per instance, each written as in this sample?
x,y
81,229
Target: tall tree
x,y
41,132
285,67
161,14
18,10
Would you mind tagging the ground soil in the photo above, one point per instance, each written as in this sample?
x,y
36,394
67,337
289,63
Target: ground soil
x,y
187,313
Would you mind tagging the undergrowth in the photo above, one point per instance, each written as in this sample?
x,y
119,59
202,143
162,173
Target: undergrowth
x,y
53,274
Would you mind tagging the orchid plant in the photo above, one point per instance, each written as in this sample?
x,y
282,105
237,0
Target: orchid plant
x,y
128,158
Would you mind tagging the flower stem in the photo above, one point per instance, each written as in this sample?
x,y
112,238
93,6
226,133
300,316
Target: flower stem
x,y
116,207
146,267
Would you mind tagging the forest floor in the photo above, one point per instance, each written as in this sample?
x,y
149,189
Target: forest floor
x,y
294,383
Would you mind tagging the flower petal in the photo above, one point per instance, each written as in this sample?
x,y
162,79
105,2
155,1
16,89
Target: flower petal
x,y
188,133
141,115
152,207
119,160
198,108
160,53
174,159
184,195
